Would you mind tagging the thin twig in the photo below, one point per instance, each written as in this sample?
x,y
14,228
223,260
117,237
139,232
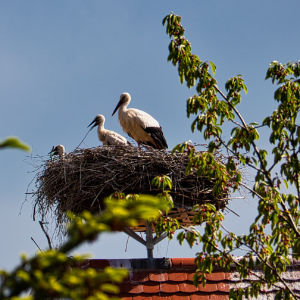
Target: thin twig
x,y
46,234
126,247
251,190
36,244
83,139
233,212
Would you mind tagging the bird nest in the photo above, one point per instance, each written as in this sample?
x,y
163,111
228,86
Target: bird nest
x,y
82,179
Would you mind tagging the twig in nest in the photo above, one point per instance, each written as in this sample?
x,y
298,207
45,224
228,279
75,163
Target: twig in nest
x,y
36,244
83,138
46,234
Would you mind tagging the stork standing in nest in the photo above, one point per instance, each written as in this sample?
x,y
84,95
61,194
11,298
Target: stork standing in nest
x,y
139,125
58,150
107,137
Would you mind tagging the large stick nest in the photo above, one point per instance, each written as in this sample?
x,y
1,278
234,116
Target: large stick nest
x,y
82,179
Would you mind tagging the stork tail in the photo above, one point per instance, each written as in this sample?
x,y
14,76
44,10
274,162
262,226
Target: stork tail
x,y
158,137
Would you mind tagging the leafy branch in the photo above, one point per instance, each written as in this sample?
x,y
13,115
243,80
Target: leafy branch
x,y
52,273
277,211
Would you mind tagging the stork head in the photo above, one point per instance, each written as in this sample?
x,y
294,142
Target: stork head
x,y
58,150
99,120
124,100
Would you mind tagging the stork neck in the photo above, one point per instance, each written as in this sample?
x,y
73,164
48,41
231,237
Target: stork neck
x,y
123,107
101,132
122,110
100,127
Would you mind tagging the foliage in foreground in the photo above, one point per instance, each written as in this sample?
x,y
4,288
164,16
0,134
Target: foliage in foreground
x,y
14,142
53,273
274,238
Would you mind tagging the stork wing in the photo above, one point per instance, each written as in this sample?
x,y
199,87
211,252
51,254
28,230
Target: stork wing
x,y
115,139
142,118
158,137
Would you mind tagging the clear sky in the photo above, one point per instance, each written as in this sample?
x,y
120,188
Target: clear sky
x,y
62,62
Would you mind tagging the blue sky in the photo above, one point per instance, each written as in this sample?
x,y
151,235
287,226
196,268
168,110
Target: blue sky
x,y
62,62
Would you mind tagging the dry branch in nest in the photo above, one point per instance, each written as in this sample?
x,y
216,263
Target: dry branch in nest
x,y
82,179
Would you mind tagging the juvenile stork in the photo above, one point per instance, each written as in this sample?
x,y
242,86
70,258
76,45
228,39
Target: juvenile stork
x,y
108,137
58,150
139,125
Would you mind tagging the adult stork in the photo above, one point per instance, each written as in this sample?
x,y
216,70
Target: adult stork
x,y
108,137
58,150
139,125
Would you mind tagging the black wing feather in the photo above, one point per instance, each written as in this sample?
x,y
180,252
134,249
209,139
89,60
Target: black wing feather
x,y
158,137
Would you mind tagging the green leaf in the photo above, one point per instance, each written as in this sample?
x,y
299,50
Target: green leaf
x,y
110,288
14,142
213,67
211,147
285,183
245,88
181,237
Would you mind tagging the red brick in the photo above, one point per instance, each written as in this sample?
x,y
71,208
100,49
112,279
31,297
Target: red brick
x,y
199,297
180,276
136,289
223,287
160,277
188,262
161,297
169,288
187,287
126,298
139,276
180,297
216,276
151,288
209,287
190,276
143,297
219,297
176,262
185,263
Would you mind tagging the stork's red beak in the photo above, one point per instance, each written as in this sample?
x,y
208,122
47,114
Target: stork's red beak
x,y
117,107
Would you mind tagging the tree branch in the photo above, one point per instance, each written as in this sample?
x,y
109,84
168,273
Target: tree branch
x,y
264,262
262,165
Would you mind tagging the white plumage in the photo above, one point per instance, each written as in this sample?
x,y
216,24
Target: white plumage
x,y
139,125
108,137
58,150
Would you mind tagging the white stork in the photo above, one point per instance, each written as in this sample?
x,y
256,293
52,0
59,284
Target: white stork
x,y
108,137
58,150
139,125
